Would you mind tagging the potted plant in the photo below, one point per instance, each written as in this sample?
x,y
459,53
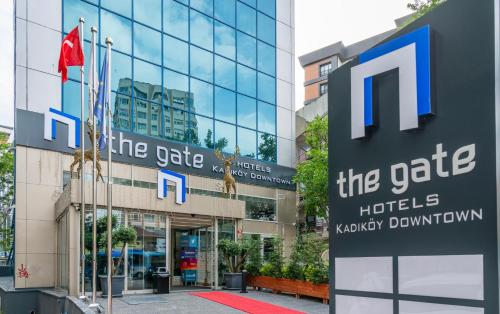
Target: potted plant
x,y
121,235
235,254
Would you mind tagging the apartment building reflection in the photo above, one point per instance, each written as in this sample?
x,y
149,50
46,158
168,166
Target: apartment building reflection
x,y
143,113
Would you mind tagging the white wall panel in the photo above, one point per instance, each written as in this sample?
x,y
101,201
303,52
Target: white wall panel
x,y
21,8
406,307
44,91
43,48
21,74
372,274
452,276
284,94
47,13
283,11
21,34
284,123
358,305
284,65
284,152
284,37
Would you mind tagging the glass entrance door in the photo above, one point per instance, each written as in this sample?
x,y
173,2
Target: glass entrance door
x,y
148,252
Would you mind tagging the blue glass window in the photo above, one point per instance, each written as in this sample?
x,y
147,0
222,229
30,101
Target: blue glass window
x,y
266,29
225,105
175,124
246,20
225,137
266,88
148,12
247,81
225,73
186,2
266,118
201,30
247,142
174,80
267,6
123,7
253,3
201,64
175,54
122,112
205,6
71,96
73,10
176,87
247,50
119,29
121,72
266,147
224,11
202,97
202,133
266,55
225,43
247,111
175,19
147,80
147,43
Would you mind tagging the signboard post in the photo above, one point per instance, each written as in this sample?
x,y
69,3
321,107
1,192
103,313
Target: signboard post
x,y
413,168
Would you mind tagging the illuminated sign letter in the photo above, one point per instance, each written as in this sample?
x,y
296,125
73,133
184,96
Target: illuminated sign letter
x,y
410,54
180,185
53,116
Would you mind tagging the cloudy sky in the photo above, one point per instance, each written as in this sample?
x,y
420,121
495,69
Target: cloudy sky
x,y
318,23
7,64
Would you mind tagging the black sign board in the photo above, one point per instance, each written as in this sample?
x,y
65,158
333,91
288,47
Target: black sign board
x,y
414,213
131,148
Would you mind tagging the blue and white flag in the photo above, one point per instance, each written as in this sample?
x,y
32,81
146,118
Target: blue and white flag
x,y
102,102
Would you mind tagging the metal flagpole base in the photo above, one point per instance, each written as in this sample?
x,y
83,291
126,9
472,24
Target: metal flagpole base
x,y
83,298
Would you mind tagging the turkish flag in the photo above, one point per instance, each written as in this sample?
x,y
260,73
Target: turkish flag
x,y
71,53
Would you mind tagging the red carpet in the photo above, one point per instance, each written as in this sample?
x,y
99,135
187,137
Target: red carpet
x,y
244,304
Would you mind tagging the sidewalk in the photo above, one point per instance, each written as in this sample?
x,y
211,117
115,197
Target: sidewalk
x,y
185,303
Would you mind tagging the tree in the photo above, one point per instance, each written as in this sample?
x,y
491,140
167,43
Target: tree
x,y
421,7
6,190
220,144
267,148
312,174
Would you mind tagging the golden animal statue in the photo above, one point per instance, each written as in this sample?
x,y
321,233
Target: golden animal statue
x,y
88,154
229,181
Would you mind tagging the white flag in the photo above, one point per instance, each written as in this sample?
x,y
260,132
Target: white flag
x,y
93,77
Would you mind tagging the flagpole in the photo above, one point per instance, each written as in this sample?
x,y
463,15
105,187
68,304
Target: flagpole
x,y
94,157
109,43
82,169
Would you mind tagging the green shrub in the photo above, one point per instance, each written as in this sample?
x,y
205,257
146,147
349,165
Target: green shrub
x,y
254,259
267,270
316,273
235,253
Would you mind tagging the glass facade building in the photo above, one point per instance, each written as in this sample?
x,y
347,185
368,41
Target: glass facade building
x,y
202,72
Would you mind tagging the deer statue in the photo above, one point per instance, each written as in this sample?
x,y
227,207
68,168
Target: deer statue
x,y
229,180
88,154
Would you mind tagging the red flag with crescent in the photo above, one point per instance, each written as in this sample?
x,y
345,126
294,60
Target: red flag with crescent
x,y
71,53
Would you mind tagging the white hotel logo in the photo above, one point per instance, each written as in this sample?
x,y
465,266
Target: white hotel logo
x,y
410,54
180,185
52,116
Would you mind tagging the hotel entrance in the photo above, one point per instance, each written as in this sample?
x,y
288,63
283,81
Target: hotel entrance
x,y
183,243
194,262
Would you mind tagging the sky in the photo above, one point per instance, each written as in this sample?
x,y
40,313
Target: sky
x,y
318,23
7,64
